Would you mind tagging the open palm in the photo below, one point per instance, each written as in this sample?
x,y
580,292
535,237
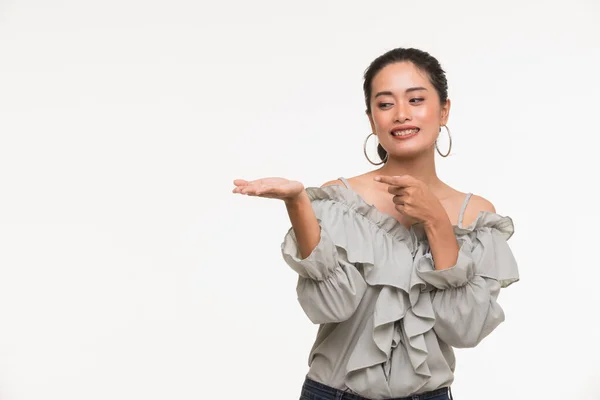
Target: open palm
x,y
274,188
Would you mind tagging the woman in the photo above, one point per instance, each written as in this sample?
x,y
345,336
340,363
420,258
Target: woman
x,y
395,265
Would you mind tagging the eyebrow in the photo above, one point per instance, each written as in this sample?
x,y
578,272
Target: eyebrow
x,y
412,89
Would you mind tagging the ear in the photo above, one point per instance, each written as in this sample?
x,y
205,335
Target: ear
x,y
371,121
445,112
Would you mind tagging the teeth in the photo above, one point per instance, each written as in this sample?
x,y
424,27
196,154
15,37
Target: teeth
x,y
405,132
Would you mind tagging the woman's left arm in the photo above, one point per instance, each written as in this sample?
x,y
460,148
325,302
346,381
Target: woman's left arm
x,y
440,232
467,276
466,273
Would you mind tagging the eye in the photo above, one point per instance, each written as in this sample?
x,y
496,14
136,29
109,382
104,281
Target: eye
x,y
417,100
385,105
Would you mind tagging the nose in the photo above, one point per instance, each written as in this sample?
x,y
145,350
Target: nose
x,y
402,112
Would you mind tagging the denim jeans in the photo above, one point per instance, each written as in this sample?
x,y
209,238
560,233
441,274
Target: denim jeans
x,y
312,390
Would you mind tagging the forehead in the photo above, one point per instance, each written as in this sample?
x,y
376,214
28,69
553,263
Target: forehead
x,y
399,77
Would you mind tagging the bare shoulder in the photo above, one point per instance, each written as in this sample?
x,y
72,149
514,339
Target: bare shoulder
x,y
474,207
354,182
333,182
481,204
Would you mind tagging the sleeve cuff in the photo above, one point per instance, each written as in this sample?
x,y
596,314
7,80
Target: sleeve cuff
x,y
455,276
321,262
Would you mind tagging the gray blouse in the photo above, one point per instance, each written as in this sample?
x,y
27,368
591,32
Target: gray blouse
x,y
388,319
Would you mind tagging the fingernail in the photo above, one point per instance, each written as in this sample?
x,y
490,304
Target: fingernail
x,y
377,178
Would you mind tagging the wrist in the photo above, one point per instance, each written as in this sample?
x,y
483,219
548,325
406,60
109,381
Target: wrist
x,y
298,200
438,222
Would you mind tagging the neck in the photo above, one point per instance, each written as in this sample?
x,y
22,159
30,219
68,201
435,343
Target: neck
x,y
421,167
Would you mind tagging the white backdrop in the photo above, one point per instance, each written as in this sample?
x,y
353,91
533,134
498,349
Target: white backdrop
x,y
128,270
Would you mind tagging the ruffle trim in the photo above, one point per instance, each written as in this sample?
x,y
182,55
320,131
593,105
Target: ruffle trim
x,y
403,310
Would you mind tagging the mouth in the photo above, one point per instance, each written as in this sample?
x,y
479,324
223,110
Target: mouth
x,y
405,133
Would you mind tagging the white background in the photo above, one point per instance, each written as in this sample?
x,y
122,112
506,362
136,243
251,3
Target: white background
x,y
128,270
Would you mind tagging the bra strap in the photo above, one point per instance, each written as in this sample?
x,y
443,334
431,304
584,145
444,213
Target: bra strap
x,y
462,210
345,182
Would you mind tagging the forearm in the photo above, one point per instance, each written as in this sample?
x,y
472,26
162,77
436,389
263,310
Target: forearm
x,y
442,242
305,224
330,287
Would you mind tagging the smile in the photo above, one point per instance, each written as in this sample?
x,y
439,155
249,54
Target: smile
x,y
405,133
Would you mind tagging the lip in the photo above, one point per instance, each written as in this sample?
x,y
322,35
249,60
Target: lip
x,y
403,127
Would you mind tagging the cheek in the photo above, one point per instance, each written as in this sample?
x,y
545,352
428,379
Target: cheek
x,y
427,114
382,119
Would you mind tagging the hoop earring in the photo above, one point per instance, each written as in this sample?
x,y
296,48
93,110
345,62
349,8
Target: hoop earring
x,y
366,155
449,138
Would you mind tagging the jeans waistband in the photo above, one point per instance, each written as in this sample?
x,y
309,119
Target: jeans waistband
x,y
327,392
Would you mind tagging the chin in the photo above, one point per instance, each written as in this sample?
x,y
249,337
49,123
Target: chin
x,y
408,152
410,146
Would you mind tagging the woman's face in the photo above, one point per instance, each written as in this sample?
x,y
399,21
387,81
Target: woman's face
x,y
403,98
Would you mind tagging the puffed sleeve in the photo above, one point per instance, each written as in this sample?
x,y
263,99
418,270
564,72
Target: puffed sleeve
x,y
329,286
465,296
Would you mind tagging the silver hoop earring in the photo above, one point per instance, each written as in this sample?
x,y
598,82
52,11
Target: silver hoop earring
x,y
366,155
449,138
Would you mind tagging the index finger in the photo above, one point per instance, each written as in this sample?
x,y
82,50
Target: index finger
x,y
402,180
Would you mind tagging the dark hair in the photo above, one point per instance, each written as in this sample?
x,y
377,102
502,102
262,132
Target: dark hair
x,y
421,59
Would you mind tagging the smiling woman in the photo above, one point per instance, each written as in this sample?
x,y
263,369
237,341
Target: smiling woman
x,y
403,81
395,265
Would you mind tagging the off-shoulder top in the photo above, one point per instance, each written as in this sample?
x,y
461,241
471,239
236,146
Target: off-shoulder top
x,y
388,320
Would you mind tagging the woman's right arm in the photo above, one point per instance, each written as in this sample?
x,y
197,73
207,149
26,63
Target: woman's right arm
x,y
329,286
304,222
